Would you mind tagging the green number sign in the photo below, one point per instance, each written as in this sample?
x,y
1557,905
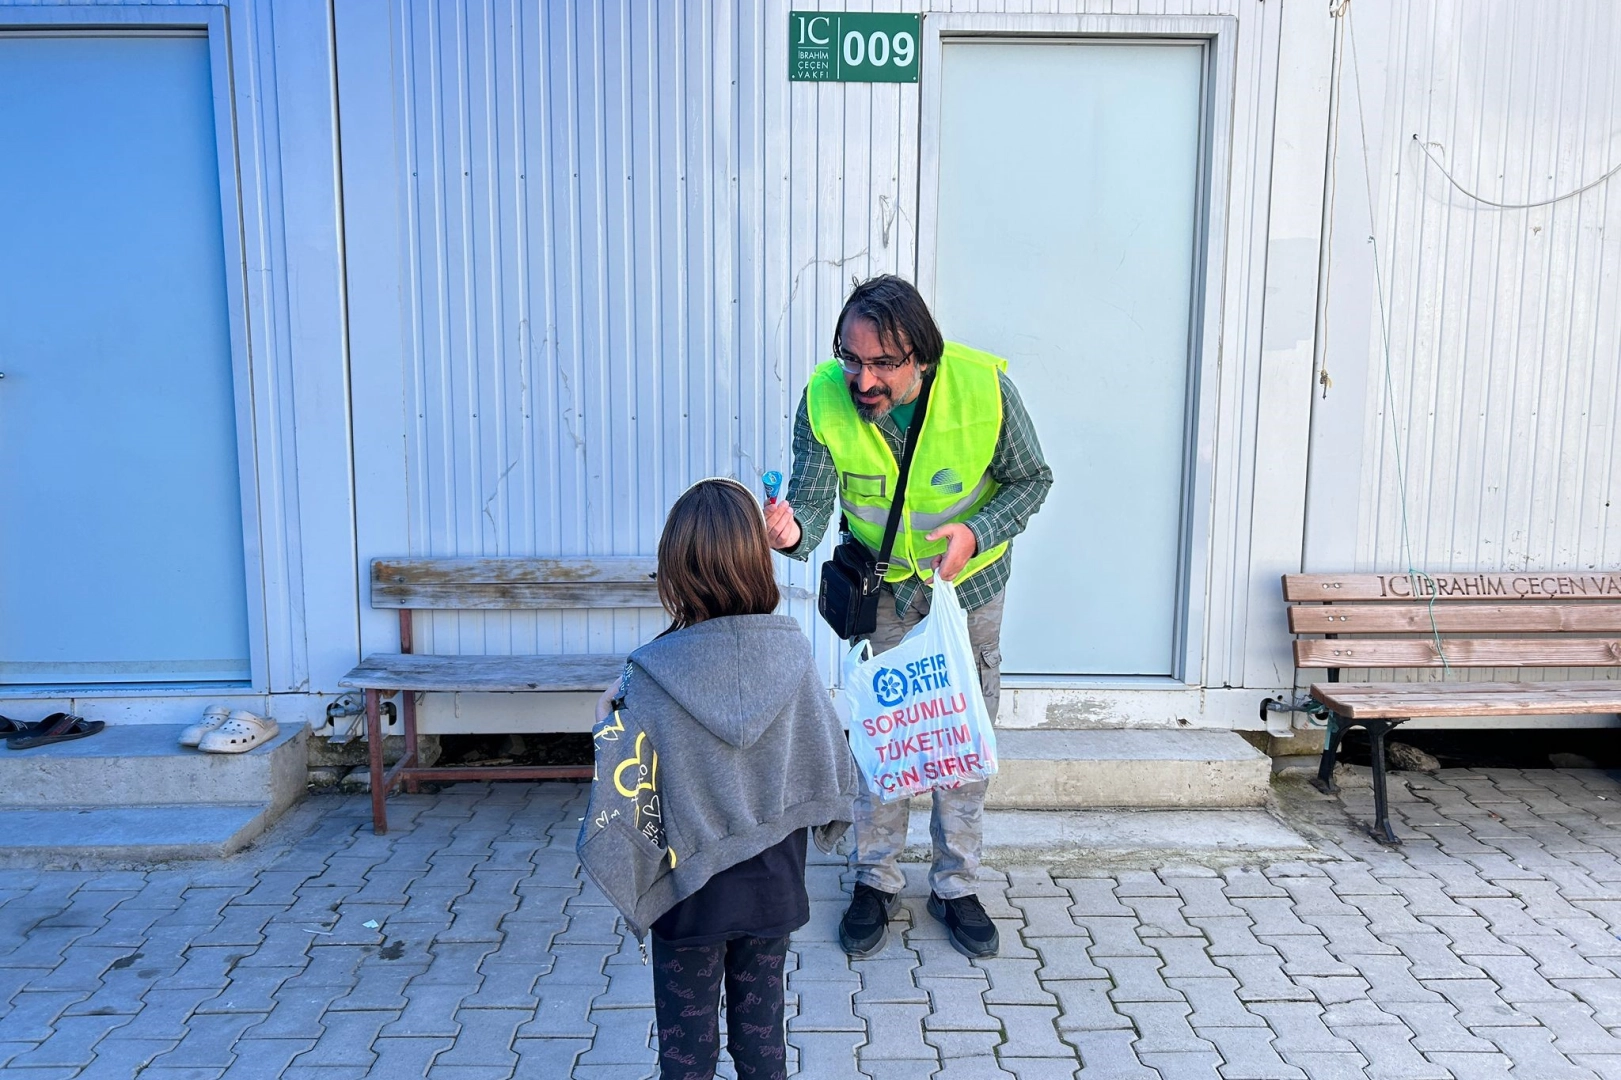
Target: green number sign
x,y
852,46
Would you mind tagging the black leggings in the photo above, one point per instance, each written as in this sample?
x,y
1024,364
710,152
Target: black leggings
x,y
686,1000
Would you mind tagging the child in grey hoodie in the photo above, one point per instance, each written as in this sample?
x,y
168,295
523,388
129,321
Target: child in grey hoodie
x,y
715,754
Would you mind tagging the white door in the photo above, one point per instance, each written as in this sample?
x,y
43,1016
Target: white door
x,y
1068,176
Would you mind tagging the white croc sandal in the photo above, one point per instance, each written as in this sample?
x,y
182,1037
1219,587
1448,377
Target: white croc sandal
x,y
241,732
213,717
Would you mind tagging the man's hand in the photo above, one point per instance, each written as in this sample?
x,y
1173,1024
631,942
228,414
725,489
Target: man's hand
x,y
780,527
960,547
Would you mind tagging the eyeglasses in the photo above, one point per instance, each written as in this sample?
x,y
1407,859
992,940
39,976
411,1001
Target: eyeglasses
x,y
852,365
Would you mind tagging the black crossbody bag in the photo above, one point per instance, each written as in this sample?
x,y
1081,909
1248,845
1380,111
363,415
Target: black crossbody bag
x,y
848,595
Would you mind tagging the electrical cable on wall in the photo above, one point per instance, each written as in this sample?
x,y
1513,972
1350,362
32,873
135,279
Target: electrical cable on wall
x,y
1494,204
1512,206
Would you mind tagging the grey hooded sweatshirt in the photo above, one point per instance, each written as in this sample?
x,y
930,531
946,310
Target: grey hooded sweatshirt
x,y
725,744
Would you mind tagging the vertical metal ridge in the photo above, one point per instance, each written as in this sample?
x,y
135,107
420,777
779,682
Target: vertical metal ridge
x,y
1460,465
1495,507
1609,538
1227,613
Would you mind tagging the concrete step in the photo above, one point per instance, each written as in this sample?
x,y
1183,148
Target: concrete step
x,y
144,765
131,794
1068,837
1141,768
134,835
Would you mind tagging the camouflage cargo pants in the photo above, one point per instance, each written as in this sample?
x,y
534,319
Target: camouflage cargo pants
x,y
956,823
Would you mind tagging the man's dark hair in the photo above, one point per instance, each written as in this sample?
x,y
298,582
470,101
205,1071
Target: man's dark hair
x,y
902,317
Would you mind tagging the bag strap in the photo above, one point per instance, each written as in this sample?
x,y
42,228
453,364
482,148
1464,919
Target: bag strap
x,y
893,525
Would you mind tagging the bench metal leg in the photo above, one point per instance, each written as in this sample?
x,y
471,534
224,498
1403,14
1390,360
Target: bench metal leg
x,y
374,748
413,759
1337,727
1381,830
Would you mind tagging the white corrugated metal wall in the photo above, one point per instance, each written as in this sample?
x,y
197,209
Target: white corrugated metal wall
x,y
593,250
1493,408
623,238
495,324
1504,325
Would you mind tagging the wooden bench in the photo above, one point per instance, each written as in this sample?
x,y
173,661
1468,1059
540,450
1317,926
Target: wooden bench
x,y
486,585
1528,620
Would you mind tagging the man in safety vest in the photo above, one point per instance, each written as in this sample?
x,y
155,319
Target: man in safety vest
x,y
977,476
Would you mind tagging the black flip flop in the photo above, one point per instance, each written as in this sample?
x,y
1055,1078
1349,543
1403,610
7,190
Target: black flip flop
x,y
10,727
55,728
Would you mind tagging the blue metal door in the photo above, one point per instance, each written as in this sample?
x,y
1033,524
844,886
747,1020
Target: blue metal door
x,y
121,546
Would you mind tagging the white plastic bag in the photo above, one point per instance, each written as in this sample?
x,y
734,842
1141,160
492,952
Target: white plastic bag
x,y
917,715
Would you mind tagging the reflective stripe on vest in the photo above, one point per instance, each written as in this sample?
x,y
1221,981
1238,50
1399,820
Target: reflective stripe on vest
x,y
879,515
949,481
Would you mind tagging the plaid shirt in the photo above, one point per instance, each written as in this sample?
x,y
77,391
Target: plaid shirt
x,y
1017,466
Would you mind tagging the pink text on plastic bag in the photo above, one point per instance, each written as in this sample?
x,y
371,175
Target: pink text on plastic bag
x,y
929,746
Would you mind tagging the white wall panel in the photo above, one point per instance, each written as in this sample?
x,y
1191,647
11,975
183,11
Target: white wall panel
x,y
1277,509
623,239
1502,394
1493,409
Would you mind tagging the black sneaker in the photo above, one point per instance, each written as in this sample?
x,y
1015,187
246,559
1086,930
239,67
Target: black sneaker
x,y
864,931
972,932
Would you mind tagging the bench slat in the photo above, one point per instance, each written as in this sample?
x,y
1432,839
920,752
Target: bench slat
x,y
420,671
515,595
485,571
1455,618
1376,701
1460,652
518,583
1542,585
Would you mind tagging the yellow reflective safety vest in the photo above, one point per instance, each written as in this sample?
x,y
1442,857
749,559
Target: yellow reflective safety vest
x,y
950,478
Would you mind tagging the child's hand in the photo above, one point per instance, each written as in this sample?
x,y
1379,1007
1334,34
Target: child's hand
x,y
605,703
781,529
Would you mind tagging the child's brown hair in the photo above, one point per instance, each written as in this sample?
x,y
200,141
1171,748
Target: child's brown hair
x,y
714,557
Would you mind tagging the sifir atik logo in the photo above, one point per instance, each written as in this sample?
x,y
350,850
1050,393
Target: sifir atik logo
x,y
889,686
928,675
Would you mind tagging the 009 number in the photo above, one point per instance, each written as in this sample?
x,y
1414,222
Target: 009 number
x,y
878,49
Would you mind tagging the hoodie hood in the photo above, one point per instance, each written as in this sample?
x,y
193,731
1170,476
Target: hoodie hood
x,y
734,675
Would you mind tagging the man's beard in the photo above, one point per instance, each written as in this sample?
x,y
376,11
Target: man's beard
x,y
871,412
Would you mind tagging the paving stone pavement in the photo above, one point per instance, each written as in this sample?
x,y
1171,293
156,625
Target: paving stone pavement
x,y
1486,946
